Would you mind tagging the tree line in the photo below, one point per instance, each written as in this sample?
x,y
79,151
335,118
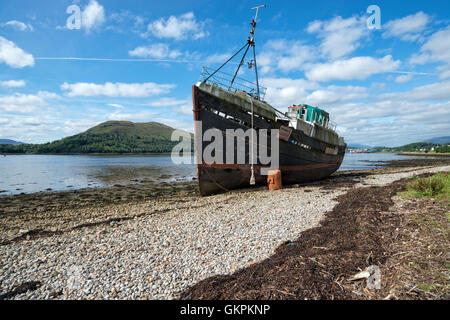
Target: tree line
x,y
108,143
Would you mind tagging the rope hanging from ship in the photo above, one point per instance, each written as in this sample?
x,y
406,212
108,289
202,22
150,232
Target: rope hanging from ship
x,y
252,177
251,64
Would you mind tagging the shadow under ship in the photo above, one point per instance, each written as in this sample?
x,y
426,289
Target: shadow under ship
x,y
309,147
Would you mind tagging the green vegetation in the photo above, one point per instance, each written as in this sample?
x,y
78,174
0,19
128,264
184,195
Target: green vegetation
x,y
412,147
428,287
426,236
427,147
443,149
437,186
106,138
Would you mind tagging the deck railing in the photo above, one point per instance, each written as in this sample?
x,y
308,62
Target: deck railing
x,y
332,125
223,80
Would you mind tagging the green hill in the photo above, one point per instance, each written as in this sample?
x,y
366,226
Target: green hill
x,y
108,137
417,147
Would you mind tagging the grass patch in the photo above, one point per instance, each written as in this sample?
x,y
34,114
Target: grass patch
x,y
427,287
436,186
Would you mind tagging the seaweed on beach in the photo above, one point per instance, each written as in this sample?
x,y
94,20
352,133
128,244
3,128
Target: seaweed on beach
x,y
357,233
416,162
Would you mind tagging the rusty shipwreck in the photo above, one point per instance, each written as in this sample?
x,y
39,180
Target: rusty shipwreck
x,y
309,148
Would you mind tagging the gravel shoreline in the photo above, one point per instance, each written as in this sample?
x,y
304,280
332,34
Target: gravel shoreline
x,y
157,248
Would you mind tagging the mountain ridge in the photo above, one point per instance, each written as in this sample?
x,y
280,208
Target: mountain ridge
x,y
439,140
433,141
9,141
107,138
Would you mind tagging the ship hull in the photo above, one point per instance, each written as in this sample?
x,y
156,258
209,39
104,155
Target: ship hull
x,y
302,159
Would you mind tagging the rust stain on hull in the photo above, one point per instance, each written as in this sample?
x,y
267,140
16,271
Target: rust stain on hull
x,y
297,163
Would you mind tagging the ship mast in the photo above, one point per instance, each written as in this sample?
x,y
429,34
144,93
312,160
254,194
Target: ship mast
x,y
251,64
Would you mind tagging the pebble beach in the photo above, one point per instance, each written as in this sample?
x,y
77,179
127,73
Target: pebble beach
x,y
155,249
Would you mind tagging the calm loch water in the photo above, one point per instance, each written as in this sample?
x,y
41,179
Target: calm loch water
x,y
35,173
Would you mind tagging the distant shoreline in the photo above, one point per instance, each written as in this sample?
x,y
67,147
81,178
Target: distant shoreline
x,y
423,154
192,153
91,154
149,187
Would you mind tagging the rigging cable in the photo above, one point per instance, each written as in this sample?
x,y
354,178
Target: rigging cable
x,y
204,81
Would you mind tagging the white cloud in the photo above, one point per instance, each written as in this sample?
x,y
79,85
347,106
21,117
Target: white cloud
x,y
18,25
93,16
177,124
340,37
115,105
336,94
284,92
286,96
285,55
404,78
296,56
218,57
48,95
391,122
366,116
431,92
13,56
436,49
438,46
136,90
178,28
157,51
444,71
125,22
44,126
355,68
167,102
75,126
408,28
185,109
420,58
25,103
314,26
279,83
13,83
41,128
143,116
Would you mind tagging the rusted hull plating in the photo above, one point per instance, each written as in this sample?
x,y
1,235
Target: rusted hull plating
x,y
304,161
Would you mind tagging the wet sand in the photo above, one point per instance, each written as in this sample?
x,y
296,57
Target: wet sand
x,y
42,213
425,154
152,241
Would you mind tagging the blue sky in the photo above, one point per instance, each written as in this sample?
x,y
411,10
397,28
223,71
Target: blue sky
x,y
136,60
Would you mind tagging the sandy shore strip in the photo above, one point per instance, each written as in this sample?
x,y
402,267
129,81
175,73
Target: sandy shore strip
x,y
157,248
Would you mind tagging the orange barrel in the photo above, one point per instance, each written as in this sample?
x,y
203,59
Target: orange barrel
x,y
274,180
